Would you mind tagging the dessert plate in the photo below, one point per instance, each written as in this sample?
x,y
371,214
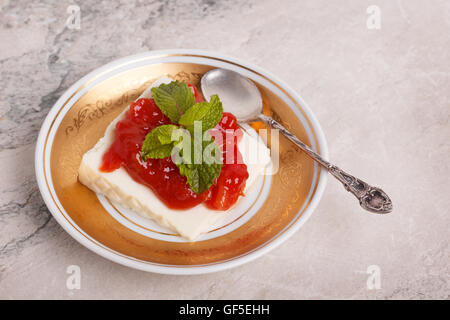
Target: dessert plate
x,y
278,205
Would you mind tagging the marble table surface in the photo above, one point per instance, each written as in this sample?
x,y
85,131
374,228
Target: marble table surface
x,y
379,87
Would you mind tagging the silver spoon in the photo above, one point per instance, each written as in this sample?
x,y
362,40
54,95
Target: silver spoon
x,y
241,97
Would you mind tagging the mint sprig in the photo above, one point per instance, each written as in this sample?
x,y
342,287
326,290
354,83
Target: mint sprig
x,y
177,101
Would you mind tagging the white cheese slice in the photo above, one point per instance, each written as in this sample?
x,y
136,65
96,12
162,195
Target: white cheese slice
x,y
120,188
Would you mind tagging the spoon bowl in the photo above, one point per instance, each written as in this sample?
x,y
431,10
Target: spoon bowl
x,y
238,95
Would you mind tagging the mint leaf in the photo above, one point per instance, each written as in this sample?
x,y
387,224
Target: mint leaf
x,y
173,99
200,176
208,113
158,143
192,176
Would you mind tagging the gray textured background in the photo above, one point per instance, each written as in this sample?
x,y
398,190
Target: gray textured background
x,y
382,97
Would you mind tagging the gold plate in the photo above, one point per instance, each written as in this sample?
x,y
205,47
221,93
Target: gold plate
x,y
64,140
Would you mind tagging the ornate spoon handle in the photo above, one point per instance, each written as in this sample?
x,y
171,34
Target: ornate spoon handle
x,y
370,198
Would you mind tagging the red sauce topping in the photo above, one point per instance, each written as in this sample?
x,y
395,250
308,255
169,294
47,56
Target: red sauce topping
x,y
162,175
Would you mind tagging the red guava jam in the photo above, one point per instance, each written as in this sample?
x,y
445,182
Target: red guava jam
x,y
162,175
